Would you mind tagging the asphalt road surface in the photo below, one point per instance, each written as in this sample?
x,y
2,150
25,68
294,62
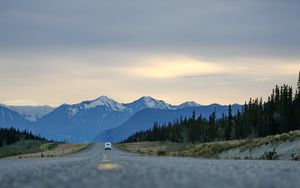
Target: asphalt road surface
x,y
95,167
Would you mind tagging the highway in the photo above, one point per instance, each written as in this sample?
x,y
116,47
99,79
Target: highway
x,y
95,167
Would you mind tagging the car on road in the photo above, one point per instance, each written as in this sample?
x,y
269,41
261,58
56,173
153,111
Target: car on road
x,y
107,146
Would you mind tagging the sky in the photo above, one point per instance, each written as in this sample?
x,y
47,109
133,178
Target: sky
x,y
208,51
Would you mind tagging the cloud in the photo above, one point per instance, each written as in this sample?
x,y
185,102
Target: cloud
x,y
174,67
205,28
73,50
202,75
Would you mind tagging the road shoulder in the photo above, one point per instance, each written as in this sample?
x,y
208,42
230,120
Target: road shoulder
x,y
61,149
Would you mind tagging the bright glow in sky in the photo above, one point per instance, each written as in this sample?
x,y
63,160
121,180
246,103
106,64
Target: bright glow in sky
x,y
212,52
175,67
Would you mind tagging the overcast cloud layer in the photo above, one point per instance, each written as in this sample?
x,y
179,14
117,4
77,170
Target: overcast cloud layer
x,y
223,51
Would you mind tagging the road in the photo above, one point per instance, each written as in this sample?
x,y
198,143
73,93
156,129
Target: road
x,y
95,167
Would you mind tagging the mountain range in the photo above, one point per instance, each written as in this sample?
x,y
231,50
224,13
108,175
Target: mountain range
x,y
31,113
102,119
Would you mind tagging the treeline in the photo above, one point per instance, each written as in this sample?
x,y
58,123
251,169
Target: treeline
x,y
279,114
12,135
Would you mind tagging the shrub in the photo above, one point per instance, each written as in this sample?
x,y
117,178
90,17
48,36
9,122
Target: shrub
x,y
270,155
248,158
161,152
295,157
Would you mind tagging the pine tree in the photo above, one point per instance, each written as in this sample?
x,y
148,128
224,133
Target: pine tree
x,y
194,115
298,83
281,113
296,104
229,124
212,128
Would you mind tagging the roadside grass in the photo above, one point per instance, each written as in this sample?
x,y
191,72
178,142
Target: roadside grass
x,y
290,136
213,149
48,146
38,148
207,150
60,149
210,150
22,147
154,148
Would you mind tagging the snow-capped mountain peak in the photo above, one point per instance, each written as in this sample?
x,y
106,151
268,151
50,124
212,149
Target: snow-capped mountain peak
x,y
109,104
188,104
153,103
106,102
148,102
72,110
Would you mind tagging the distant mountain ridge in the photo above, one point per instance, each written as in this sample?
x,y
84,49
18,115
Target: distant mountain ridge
x,y
10,118
188,104
82,122
94,119
30,113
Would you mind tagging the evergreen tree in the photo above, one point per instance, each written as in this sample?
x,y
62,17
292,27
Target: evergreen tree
x,y
229,124
12,135
194,115
298,83
296,104
280,113
212,127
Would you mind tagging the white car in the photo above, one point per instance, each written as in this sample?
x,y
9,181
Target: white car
x,y
107,146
